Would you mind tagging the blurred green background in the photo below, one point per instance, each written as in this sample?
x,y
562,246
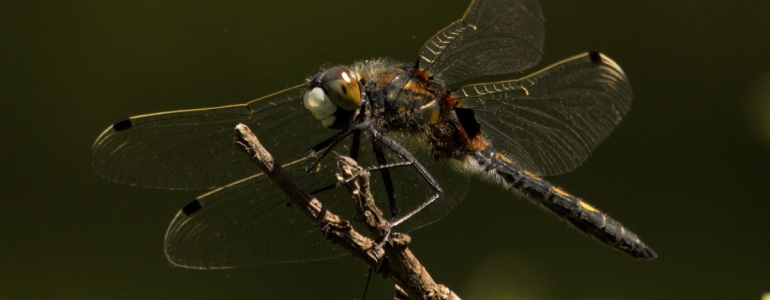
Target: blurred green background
x,y
688,169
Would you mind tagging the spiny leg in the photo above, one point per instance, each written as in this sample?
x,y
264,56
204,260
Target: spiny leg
x,y
326,145
387,180
410,159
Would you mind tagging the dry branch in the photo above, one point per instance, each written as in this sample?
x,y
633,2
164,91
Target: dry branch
x,y
394,261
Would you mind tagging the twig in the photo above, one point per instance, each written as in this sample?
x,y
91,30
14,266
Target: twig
x,y
394,261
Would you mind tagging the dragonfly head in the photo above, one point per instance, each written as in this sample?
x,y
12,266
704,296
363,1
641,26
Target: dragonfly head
x,y
333,97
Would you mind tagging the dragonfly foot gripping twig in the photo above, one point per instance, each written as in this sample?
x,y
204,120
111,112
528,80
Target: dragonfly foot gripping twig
x,y
394,261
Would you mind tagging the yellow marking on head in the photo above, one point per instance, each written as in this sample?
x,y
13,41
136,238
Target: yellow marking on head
x,y
533,176
587,206
559,191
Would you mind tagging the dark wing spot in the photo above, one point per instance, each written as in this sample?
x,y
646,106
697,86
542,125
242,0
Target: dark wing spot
x,y
192,207
122,125
596,57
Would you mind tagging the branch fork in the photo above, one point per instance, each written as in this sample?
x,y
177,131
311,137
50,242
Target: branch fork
x,y
394,261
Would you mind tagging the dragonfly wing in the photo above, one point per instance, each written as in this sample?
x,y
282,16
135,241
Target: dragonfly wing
x,y
550,121
193,149
246,223
493,37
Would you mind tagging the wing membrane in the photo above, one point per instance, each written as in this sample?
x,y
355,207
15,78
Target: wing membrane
x,y
245,223
550,121
248,223
493,37
193,149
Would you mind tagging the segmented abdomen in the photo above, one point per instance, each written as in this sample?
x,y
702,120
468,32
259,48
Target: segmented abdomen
x,y
584,216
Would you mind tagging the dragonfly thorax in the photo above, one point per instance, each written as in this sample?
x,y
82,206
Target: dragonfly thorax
x,y
404,99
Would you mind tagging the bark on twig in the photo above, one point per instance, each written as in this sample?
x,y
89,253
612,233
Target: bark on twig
x,y
393,261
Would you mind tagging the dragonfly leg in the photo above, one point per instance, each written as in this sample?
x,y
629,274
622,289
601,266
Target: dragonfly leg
x,y
409,159
383,167
328,144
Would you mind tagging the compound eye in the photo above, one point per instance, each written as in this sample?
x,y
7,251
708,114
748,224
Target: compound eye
x,y
342,88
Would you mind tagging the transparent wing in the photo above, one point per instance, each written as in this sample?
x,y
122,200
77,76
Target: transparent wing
x,y
193,149
550,121
493,37
245,223
249,223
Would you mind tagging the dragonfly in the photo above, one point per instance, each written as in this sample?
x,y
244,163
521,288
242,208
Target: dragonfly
x,y
424,129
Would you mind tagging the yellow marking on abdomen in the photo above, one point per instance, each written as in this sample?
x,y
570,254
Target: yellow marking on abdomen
x,y
533,176
502,157
587,206
560,191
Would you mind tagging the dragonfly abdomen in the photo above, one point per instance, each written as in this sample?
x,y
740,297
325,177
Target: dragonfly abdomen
x,y
581,214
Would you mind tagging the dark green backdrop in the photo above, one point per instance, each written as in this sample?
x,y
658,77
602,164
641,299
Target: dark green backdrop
x,y
688,169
